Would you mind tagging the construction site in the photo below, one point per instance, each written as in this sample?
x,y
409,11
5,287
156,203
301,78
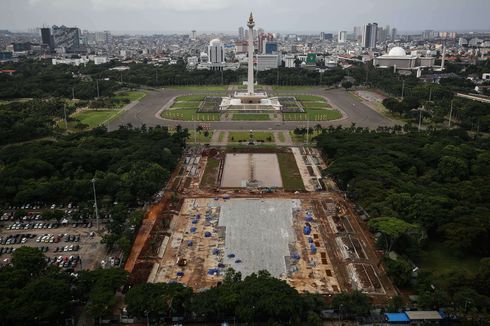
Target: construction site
x,y
255,209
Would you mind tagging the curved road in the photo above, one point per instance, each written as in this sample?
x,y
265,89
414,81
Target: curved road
x,y
354,111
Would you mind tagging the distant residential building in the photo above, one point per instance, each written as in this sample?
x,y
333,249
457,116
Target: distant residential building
x,y
267,61
194,34
241,46
241,33
5,56
264,37
67,38
342,38
369,35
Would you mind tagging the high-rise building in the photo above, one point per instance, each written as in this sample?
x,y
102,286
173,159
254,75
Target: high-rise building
x,y
216,51
193,35
264,37
387,33
66,37
393,33
270,47
428,34
342,38
369,35
47,38
241,33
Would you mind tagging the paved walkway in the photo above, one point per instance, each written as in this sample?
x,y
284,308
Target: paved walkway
x,y
215,140
286,141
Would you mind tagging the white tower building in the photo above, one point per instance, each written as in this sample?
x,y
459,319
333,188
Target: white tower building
x,y
250,83
216,51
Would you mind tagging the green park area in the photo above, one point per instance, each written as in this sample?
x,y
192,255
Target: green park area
x,y
302,137
262,136
201,136
94,118
316,107
438,259
250,116
291,177
189,114
209,88
131,95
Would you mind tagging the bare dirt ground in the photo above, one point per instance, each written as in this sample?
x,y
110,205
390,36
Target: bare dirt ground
x,y
168,248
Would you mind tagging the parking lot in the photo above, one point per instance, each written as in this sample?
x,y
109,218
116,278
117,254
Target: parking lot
x,y
68,244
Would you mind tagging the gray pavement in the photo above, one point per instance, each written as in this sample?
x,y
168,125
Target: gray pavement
x,y
146,112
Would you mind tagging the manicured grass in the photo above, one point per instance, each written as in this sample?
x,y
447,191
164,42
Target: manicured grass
x,y
132,95
439,259
235,136
281,136
210,173
309,98
221,136
94,118
283,87
199,136
315,105
211,88
291,178
189,115
191,98
313,115
250,116
186,105
302,138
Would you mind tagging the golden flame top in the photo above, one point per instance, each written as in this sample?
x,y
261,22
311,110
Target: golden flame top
x,y
251,19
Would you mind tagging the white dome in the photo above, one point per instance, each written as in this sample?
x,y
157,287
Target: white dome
x,y
397,52
215,41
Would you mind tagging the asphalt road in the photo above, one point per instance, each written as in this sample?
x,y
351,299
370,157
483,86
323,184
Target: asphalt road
x,y
354,111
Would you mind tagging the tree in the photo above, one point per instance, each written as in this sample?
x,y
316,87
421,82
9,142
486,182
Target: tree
x,y
158,300
395,304
354,303
29,259
399,270
347,84
391,230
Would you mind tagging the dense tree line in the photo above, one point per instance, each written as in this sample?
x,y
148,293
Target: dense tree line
x,y
34,293
41,79
21,121
258,298
300,76
130,166
418,186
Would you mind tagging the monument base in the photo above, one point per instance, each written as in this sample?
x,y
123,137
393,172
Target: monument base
x,y
246,102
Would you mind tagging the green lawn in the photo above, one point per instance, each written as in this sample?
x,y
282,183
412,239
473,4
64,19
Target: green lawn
x,y
284,88
189,115
250,116
302,138
313,115
221,136
199,136
281,136
235,136
94,118
132,95
191,98
309,98
186,105
211,88
315,105
439,259
291,177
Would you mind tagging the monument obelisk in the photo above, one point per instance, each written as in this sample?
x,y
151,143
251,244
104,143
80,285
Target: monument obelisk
x,y
250,82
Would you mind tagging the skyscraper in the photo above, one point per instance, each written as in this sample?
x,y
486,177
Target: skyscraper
x,y
241,33
66,37
393,33
369,34
342,38
216,52
47,38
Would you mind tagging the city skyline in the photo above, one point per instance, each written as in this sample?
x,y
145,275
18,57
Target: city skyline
x,y
158,16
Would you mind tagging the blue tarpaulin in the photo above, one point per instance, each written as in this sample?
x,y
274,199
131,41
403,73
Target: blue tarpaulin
x,y
193,229
207,234
306,230
397,318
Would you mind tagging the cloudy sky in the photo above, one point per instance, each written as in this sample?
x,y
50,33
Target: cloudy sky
x,y
227,15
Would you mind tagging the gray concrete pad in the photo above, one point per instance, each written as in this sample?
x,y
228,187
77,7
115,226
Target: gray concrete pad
x,y
258,233
239,169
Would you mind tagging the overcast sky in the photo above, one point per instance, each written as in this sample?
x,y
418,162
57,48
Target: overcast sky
x,y
227,15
